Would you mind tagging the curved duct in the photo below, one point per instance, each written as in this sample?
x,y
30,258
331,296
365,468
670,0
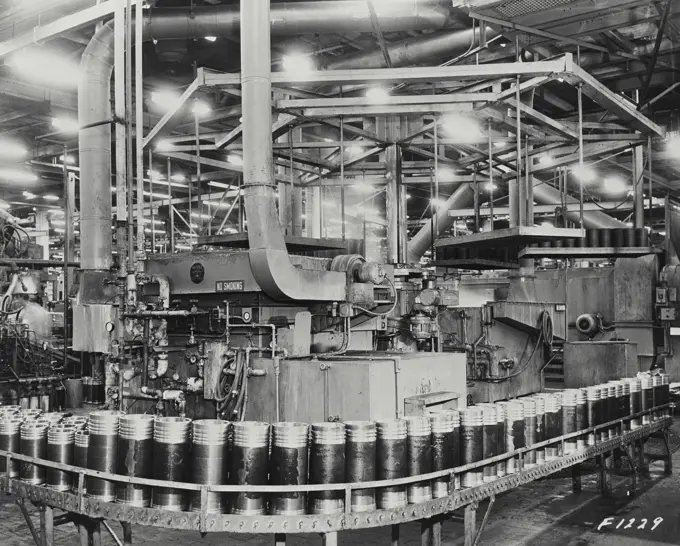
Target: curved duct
x,y
94,87
463,197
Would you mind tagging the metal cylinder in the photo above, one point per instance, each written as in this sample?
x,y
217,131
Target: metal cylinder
x,y
33,443
419,432
629,237
60,449
391,462
52,418
593,237
209,462
641,237
666,382
605,410
581,417
540,428
553,426
249,465
569,419
605,238
327,465
530,419
10,431
625,404
289,466
443,425
618,238
171,461
74,393
657,389
87,390
489,440
514,433
78,421
619,409
32,414
360,459
82,444
472,444
135,458
635,385
647,389
102,453
9,410
500,436
593,414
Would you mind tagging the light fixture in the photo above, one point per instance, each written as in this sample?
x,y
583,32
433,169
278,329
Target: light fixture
x,y
583,173
629,224
462,129
446,174
29,195
17,175
219,185
210,38
154,174
673,146
200,108
545,160
178,177
70,160
197,215
46,66
499,143
377,94
65,125
437,203
166,99
662,233
11,149
235,160
297,65
156,195
50,197
164,145
490,186
614,184
354,149
328,140
408,196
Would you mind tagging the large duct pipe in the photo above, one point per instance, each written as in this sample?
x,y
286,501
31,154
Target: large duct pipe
x,y
269,260
96,66
414,50
463,197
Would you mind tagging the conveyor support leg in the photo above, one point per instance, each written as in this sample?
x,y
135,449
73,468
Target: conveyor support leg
x,y
330,539
47,525
605,473
630,451
576,478
668,461
127,533
29,522
470,523
395,535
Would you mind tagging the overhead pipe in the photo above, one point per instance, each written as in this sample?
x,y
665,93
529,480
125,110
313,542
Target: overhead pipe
x,y
96,66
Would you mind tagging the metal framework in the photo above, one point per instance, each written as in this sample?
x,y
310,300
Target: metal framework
x,y
429,512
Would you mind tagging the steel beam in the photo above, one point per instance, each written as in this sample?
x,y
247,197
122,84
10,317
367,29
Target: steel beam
x,y
188,92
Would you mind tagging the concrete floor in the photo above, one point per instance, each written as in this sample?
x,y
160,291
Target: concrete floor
x,y
545,513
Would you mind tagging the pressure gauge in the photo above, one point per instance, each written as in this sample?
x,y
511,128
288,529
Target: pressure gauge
x,y
110,327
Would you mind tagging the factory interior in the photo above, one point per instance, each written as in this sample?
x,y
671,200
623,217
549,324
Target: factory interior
x,y
323,272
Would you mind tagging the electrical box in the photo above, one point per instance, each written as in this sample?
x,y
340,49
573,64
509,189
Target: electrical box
x,y
667,313
673,295
661,296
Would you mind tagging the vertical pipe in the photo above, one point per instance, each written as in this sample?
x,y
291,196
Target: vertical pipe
x,y
67,254
198,174
128,140
649,170
152,215
391,202
580,151
528,186
342,174
120,125
490,178
514,187
171,211
434,197
139,123
475,185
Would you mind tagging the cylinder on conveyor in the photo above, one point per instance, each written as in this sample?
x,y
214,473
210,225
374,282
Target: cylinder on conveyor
x,y
553,427
501,467
32,414
171,461
635,386
540,427
9,410
209,457
472,444
102,453
581,417
489,440
60,449
569,419
81,446
360,452
52,418
391,462
605,238
135,458
625,404
419,450
514,433
657,388
641,237
618,238
593,414
666,391
327,466
443,425
87,389
529,405
77,421
647,389
629,237
33,443
10,432
608,406
593,237
289,466
620,405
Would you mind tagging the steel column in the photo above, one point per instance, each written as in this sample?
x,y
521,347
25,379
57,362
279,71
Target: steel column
x,y
139,125
638,187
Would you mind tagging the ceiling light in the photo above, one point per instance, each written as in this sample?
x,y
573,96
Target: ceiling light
x,y
583,173
70,160
12,149
662,233
462,129
629,224
51,197
328,140
157,195
200,108
446,174
197,215
46,66
65,125
16,175
29,195
210,38
354,149
408,196
614,184
164,145
298,65
499,143
437,203
219,184
235,159
166,99
490,186
179,177
545,160
377,94
673,146
154,174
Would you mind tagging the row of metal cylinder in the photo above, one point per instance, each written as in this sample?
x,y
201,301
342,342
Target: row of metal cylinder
x,y
213,452
604,238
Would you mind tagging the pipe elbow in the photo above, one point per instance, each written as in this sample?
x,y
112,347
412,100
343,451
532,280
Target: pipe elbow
x,y
163,288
